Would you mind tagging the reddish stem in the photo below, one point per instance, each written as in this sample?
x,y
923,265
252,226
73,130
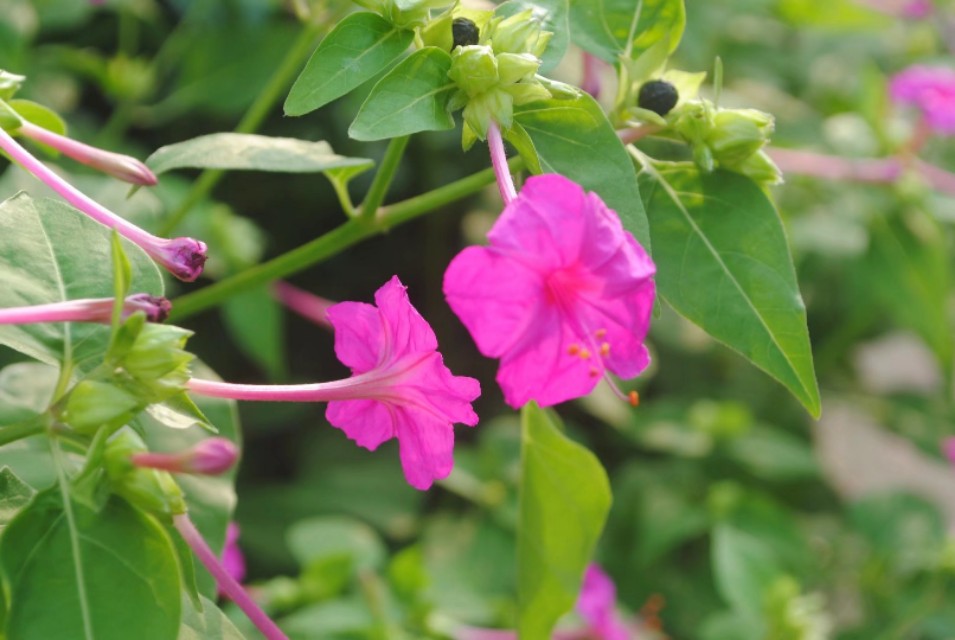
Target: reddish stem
x,y
499,159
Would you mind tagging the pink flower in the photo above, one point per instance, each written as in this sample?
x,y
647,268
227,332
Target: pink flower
x,y
597,603
932,91
562,294
210,457
232,559
400,387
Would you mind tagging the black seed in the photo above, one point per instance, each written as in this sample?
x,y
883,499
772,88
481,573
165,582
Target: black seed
x,y
658,96
465,33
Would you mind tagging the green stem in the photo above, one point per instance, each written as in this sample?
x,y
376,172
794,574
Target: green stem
x,y
332,243
384,176
251,121
33,426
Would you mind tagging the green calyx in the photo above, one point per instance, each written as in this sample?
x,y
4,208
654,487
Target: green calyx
x,y
151,490
490,84
404,14
520,33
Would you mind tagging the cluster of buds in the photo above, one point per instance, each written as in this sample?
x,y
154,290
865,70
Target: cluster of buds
x,y
146,364
498,73
152,490
404,14
731,139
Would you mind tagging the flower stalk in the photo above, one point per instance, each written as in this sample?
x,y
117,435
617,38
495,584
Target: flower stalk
x,y
87,310
307,305
227,584
499,159
118,165
183,257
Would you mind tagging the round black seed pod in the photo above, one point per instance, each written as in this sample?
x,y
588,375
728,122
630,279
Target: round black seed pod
x,y
464,32
658,96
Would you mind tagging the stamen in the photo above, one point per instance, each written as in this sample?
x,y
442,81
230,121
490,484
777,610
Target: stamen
x,y
573,349
600,333
605,349
585,354
632,398
594,372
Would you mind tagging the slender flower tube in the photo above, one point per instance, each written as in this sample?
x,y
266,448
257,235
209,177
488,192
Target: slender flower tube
x,y
227,583
499,159
400,387
118,165
183,257
87,310
305,304
211,457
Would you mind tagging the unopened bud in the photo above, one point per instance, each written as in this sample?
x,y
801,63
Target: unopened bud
x,y
739,133
520,33
93,404
474,69
149,489
183,257
211,457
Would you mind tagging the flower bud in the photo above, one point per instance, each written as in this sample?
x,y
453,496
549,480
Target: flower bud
x,y
514,67
760,168
211,457
148,489
10,83
739,133
156,308
520,33
157,352
474,69
92,404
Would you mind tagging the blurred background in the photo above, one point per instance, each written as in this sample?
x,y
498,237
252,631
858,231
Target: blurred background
x,y
730,503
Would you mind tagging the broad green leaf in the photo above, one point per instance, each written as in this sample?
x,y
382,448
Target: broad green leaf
x,y
14,495
564,501
413,97
723,262
574,138
357,49
610,28
208,624
255,321
50,252
553,17
112,574
250,152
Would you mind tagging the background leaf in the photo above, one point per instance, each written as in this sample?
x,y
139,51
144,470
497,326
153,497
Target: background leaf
x,y
357,49
609,28
574,138
412,97
723,262
246,151
564,502
255,320
50,252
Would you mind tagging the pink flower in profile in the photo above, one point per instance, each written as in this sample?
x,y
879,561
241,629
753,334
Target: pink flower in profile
x,y
233,561
561,295
597,604
400,387
931,90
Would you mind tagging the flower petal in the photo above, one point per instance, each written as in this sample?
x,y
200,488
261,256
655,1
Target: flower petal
x,y
494,295
426,445
542,367
358,334
443,393
405,330
367,422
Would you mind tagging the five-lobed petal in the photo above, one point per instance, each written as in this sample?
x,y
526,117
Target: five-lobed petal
x,y
410,394
561,293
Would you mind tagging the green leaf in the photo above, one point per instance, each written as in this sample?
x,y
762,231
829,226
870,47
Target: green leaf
x,y
111,574
574,138
250,152
564,501
42,117
254,319
208,624
609,28
837,14
413,97
321,538
14,495
744,567
50,252
723,262
553,17
360,47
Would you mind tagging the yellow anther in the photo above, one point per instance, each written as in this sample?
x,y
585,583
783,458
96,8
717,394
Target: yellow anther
x,y
634,398
573,349
605,349
600,333
585,354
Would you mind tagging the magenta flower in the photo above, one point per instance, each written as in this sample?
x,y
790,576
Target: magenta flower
x,y
400,387
597,606
233,560
561,295
99,310
931,90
